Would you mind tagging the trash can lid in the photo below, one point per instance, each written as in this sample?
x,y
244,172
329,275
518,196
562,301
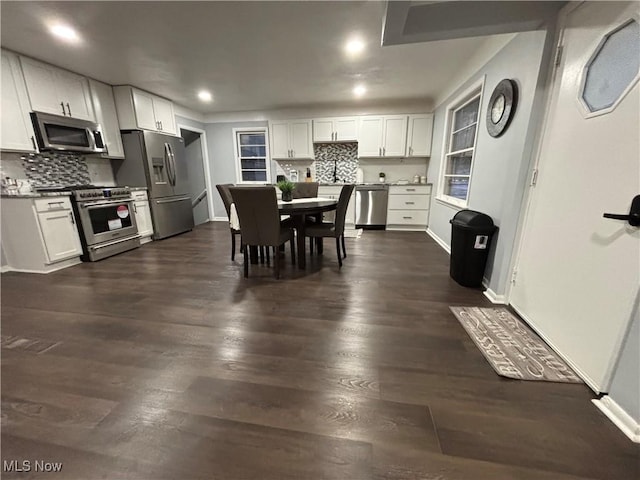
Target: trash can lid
x,y
472,219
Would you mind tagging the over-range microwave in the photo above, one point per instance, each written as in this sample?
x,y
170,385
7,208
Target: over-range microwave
x,y
54,132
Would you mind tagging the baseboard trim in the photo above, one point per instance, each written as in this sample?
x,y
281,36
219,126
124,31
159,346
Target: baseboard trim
x,y
5,268
439,241
58,266
494,297
219,219
619,417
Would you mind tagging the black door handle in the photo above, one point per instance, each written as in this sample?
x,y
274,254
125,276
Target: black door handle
x,y
633,217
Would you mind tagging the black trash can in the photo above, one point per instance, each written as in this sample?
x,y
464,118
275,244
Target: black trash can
x,y
471,234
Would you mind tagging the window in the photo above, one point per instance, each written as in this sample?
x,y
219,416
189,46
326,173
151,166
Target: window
x,y
459,146
252,155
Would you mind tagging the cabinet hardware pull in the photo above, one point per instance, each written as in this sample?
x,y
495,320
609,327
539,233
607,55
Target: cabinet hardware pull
x,y
160,124
73,222
411,189
407,218
69,108
409,203
135,209
33,142
380,151
63,111
384,151
55,203
410,150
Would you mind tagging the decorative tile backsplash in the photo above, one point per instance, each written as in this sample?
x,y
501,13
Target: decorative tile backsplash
x,y
55,169
342,156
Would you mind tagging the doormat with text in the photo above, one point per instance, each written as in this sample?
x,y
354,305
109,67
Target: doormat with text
x,y
511,347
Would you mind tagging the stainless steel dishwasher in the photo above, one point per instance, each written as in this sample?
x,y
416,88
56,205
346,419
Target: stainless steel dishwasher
x,y
371,206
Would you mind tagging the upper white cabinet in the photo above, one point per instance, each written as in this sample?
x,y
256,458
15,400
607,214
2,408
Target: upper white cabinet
x,y
138,109
291,139
419,135
337,129
57,91
16,127
105,108
382,136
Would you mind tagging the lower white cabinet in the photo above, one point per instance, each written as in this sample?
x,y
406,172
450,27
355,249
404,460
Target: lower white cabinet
x,y
333,191
39,235
142,212
408,207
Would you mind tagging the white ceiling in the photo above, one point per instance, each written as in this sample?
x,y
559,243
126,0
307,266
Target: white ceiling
x,y
250,55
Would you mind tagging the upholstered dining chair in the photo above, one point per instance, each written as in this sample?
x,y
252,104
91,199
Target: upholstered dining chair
x,y
257,210
225,194
335,229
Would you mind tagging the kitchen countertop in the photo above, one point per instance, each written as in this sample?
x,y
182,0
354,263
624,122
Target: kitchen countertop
x,y
37,195
410,184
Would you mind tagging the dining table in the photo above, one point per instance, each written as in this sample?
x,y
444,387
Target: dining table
x,y
297,209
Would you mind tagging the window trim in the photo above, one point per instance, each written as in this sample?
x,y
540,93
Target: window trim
x,y
236,149
475,90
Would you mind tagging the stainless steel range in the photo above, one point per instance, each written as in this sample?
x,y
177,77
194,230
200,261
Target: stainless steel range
x,y
107,221
107,224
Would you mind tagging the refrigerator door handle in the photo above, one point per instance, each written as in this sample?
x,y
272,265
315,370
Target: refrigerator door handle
x,y
168,163
174,200
174,169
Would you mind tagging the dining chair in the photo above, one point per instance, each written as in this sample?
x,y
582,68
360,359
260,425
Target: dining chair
x,y
259,217
225,194
335,229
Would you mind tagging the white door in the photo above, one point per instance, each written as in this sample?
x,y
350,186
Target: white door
x,y
42,87
323,130
143,103
300,138
17,130
163,110
395,136
370,137
577,272
60,235
280,140
419,135
346,129
74,93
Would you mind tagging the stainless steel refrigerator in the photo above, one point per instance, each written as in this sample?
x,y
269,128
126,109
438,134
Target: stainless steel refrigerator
x,y
157,161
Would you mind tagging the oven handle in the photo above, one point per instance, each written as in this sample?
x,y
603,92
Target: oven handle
x,y
115,242
98,204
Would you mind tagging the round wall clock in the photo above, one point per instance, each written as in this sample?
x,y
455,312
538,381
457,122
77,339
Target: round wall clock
x,y
502,106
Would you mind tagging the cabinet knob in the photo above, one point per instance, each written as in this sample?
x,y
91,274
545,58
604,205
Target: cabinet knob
x,y
73,222
69,108
33,142
63,111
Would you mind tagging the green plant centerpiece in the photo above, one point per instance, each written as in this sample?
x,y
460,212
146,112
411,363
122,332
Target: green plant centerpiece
x,y
381,176
286,187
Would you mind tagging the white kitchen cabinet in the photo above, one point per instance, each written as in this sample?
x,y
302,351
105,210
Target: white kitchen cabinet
x,y
138,109
382,136
333,192
16,127
291,139
39,235
142,212
408,207
336,129
106,115
56,91
420,131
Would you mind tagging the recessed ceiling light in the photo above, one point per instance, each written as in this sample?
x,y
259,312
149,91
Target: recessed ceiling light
x,y
354,46
64,32
204,96
359,90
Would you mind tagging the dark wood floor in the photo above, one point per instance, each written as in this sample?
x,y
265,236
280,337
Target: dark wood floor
x,y
164,363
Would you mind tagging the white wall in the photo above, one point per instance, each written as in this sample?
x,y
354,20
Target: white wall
x,y
501,165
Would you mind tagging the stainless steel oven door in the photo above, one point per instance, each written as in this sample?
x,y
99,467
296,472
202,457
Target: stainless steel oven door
x,y
107,220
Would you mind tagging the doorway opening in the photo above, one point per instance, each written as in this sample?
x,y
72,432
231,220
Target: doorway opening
x,y
199,173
